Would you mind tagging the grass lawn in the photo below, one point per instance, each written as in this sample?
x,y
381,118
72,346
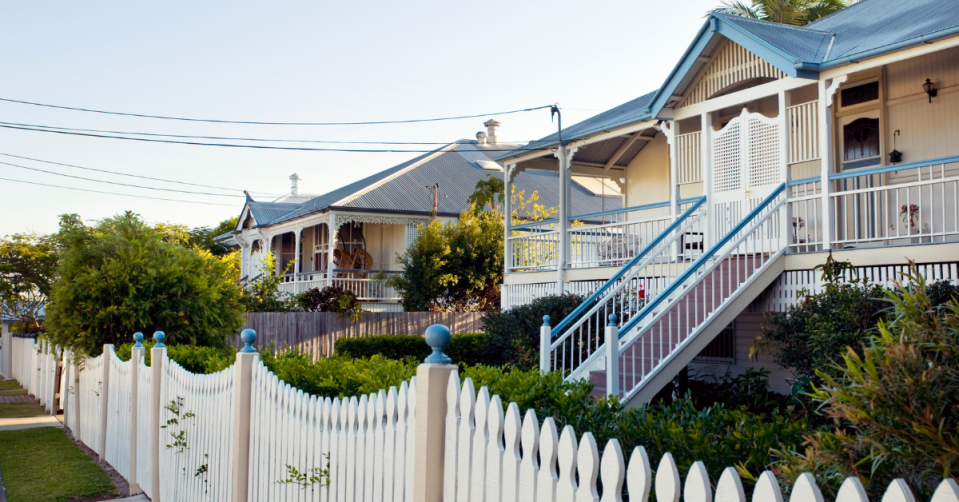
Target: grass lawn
x,y
10,384
42,464
14,410
14,392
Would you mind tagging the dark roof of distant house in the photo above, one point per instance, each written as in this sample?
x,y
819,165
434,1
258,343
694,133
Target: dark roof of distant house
x,y
457,168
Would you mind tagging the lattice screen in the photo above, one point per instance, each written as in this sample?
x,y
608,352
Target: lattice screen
x,y
728,65
411,234
764,143
727,159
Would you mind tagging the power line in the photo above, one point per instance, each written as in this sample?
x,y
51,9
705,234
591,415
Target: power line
x,y
117,183
219,121
231,138
259,147
127,174
116,193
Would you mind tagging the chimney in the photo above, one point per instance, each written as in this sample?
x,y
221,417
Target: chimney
x,y
295,187
481,138
491,126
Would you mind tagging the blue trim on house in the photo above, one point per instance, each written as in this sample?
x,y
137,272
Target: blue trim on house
x,y
622,271
750,42
803,181
532,224
896,167
701,261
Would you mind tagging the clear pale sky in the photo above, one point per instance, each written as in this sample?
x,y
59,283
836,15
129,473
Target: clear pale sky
x,y
299,62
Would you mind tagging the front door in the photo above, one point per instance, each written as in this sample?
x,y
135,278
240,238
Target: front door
x,y
747,167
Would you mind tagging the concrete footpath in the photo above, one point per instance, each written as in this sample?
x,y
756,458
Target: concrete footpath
x,y
12,424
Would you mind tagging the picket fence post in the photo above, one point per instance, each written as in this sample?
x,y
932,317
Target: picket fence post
x,y
135,354
104,400
545,340
242,391
75,383
157,356
431,385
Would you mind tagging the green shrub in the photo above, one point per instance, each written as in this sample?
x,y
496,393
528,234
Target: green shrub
x,y
718,435
464,348
514,334
195,359
331,299
896,403
338,376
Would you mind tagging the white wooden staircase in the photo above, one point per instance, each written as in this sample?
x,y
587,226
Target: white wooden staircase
x,y
689,297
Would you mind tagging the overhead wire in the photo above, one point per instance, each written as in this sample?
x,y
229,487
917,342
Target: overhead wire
x,y
118,183
129,175
252,122
258,147
116,193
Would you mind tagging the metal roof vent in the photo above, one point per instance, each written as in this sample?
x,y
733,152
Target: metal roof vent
x,y
488,165
491,126
481,137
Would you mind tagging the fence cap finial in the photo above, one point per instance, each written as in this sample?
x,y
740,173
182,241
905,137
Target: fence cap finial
x,y
138,337
158,337
438,337
612,319
545,320
248,336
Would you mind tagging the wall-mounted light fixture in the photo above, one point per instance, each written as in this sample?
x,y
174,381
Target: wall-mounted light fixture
x,y
895,156
930,88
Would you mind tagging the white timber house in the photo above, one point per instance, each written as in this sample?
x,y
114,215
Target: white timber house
x,y
767,147
344,237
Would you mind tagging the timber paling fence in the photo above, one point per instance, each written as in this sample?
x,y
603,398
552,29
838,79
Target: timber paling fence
x,y
316,333
232,435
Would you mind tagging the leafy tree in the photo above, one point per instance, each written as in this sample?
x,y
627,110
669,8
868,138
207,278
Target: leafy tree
x,y
205,237
794,12
487,191
122,276
896,403
263,293
28,269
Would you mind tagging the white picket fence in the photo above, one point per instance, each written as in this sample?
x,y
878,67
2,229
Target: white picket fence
x,y
491,456
238,431
34,365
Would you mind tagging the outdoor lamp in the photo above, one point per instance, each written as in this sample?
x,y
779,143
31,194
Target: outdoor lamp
x,y
930,88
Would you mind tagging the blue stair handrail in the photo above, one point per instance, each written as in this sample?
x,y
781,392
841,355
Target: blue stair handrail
x,y
700,262
612,280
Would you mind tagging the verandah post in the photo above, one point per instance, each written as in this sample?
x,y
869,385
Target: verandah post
x,y
242,387
135,354
157,357
432,378
104,399
545,341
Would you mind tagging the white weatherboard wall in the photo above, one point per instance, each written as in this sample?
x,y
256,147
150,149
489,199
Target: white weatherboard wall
x,y
490,453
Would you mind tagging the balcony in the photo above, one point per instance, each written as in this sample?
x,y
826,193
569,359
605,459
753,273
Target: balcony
x,y
362,284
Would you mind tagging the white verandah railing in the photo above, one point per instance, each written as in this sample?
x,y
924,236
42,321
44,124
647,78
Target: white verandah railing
x,y
366,288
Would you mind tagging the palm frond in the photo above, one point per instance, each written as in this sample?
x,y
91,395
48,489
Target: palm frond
x,y
738,8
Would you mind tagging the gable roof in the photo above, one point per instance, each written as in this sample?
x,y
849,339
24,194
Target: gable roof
x,y
457,167
865,29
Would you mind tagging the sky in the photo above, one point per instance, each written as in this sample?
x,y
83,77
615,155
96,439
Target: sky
x,y
287,61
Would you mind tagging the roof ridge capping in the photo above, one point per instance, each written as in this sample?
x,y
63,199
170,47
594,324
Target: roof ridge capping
x,y
773,24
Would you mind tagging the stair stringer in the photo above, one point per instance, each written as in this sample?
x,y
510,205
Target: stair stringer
x,y
700,338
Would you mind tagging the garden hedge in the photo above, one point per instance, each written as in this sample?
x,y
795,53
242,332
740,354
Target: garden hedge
x,y
466,348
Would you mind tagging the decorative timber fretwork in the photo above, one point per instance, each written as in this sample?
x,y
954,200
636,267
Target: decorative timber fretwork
x,y
344,218
729,64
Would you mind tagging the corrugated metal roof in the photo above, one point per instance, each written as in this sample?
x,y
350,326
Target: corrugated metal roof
x,y
799,43
457,173
624,114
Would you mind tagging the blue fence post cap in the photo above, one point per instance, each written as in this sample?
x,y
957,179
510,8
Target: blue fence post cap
x,y
612,319
438,337
248,336
158,337
545,320
138,337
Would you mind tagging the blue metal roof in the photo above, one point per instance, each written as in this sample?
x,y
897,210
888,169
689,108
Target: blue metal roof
x,y
456,170
624,114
